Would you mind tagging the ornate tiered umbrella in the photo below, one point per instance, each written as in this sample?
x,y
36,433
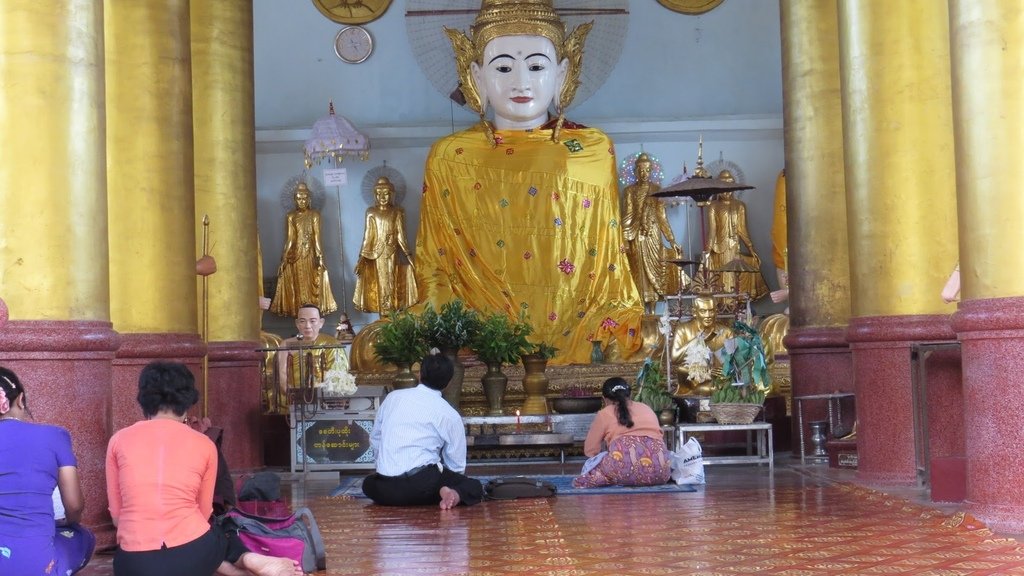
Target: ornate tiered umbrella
x,y
333,139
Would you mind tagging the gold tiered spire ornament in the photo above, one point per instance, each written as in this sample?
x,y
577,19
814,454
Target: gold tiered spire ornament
x,y
700,185
499,18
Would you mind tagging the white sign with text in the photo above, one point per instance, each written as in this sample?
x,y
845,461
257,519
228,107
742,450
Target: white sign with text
x,y
335,176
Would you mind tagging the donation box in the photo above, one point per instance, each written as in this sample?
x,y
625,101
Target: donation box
x,y
333,432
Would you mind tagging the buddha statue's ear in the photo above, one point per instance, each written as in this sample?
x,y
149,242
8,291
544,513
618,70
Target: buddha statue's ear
x,y
468,69
569,73
563,70
470,82
573,62
477,81
476,84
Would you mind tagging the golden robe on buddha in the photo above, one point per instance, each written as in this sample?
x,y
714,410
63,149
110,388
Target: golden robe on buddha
x,y
533,225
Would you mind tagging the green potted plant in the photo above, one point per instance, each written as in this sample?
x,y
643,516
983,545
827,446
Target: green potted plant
x,y
450,331
652,390
745,380
400,342
535,380
499,340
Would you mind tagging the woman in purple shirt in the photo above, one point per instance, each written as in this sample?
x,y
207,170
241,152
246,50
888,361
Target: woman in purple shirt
x,y
34,459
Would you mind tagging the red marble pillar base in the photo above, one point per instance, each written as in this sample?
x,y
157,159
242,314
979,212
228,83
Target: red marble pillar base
x,y
880,347
3,313
66,369
948,478
820,363
234,401
945,411
135,352
991,334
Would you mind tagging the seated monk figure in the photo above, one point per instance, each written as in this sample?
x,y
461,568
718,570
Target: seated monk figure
x,y
325,353
523,215
704,325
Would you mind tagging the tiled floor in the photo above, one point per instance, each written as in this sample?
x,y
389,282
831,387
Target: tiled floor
x,y
801,521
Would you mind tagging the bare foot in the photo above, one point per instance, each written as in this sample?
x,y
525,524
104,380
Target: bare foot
x,y
449,498
261,565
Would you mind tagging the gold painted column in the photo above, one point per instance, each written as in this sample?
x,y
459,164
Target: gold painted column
x,y
52,171
55,331
987,51
901,213
819,274
225,189
150,190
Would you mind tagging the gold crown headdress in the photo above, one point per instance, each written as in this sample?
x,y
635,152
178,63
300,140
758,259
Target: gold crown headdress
x,y
518,17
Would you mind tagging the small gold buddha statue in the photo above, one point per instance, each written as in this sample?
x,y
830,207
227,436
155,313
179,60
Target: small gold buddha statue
x,y
643,225
727,237
383,283
302,277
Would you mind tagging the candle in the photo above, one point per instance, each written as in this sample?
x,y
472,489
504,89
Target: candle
x,y
518,425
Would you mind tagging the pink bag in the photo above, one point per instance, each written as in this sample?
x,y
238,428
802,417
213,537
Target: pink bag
x,y
295,536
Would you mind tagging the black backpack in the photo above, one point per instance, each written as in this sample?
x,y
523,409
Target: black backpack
x,y
512,487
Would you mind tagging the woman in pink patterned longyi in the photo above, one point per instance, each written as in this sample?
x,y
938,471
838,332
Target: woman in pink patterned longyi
x,y
625,445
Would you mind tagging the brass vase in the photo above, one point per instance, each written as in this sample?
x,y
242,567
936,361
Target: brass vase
x,y
453,392
494,382
535,384
667,417
404,378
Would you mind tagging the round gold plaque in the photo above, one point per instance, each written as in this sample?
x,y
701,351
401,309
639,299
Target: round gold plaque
x,y
690,6
352,11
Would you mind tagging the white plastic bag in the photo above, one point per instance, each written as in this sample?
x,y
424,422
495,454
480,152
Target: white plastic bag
x,y
688,463
58,505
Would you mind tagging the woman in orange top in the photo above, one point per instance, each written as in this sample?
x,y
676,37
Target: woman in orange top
x,y
625,443
160,480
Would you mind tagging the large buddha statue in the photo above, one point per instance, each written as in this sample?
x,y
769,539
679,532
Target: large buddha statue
x,y
382,282
522,214
302,277
706,326
727,236
774,328
643,225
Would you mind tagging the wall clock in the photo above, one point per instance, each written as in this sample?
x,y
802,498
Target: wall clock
x,y
352,11
353,44
690,6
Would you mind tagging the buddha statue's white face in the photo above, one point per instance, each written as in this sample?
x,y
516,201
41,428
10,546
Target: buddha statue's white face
x,y
520,77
